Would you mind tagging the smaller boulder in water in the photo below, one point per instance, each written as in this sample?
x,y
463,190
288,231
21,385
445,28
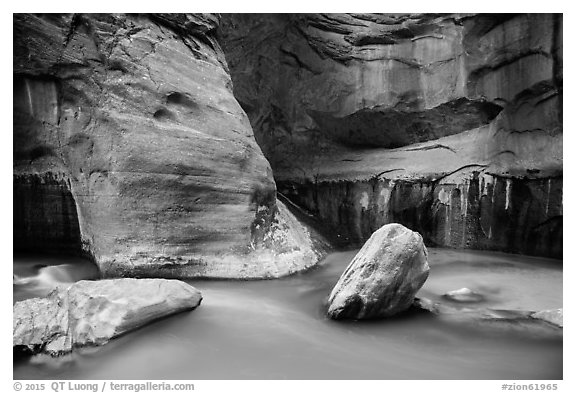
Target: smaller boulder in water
x,y
383,278
464,295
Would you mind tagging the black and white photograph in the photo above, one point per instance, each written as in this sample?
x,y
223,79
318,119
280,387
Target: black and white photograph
x,y
289,196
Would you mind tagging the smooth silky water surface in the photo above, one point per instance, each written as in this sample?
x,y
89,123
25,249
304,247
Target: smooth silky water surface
x,y
277,329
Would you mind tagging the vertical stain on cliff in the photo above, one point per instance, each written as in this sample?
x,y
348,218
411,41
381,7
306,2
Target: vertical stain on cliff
x,y
481,211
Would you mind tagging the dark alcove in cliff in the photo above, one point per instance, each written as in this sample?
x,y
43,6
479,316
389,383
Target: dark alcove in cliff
x,y
45,216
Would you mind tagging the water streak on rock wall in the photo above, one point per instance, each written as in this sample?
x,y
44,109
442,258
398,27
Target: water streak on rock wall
x,y
481,212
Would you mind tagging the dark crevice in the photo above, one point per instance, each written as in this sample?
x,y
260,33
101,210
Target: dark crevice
x,y
74,24
405,125
45,215
436,180
299,62
432,147
557,65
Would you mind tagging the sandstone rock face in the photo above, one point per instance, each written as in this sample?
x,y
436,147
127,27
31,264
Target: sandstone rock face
x,y
383,277
93,312
449,124
130,146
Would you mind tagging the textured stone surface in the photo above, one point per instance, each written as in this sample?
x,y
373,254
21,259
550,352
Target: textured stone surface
x,y
129,145
487,212
41,324
383,277
93,312
555,317
449,124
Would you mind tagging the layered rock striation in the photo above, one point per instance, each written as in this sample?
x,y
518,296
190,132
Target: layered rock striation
x,y
450,124
130,146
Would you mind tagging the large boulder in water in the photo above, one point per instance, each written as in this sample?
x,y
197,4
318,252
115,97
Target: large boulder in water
x,y
383,277
93,312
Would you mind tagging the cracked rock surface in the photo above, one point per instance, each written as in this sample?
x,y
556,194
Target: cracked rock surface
x,y
94,312
383,278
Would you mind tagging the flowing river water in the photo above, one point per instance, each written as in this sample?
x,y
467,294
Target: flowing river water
x,y
277,329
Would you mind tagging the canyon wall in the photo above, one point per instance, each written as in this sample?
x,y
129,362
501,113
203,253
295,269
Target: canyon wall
x,y
450,124
129,146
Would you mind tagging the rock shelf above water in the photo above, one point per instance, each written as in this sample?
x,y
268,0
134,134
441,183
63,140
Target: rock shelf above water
x,y
94,312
